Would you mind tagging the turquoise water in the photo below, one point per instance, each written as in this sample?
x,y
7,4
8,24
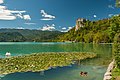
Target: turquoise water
x,y
95,67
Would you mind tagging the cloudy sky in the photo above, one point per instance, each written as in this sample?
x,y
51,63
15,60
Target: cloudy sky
x,y
52,14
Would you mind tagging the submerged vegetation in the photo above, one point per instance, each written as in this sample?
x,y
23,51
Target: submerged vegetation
x,y
40,62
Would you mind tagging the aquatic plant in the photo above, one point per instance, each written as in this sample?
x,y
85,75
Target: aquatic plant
x,y
40,62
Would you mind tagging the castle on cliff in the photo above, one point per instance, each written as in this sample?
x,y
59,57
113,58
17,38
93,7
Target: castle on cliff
x,y
79,23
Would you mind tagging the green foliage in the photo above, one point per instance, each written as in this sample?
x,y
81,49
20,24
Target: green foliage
x,y
101,37
89,37
11,37
118,3
97,37
114,26
117,49
15,35
115,73
101,31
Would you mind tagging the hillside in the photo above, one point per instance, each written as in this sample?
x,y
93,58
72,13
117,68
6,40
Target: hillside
x,y
7,35
11,37
101,31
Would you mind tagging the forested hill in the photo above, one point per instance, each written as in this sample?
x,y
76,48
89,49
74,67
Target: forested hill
x,y
17,35
101,31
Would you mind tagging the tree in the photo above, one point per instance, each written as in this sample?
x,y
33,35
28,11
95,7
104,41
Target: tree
x,y
116,49
101,37
118,3
89,37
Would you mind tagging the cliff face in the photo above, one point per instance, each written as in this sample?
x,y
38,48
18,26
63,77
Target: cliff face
x,y
79,23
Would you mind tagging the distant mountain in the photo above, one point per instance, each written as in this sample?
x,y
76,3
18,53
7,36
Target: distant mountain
x,y
101,31
27,35
11,37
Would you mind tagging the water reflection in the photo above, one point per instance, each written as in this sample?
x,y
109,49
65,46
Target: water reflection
x,y
19,49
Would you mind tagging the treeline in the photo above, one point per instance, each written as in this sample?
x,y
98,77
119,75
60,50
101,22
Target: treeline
x,y
117,3
22,35
11,37
116,56
101,31
116,49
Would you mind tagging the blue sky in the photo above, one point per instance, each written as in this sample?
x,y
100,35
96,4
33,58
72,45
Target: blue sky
x,y
52,14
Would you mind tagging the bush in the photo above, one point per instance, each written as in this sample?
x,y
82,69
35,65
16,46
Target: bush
x,y
116,49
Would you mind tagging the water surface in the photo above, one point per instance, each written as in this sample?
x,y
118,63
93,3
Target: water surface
x,y
95,67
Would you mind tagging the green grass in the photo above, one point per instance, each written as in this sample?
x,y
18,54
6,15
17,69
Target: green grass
x,y
40,62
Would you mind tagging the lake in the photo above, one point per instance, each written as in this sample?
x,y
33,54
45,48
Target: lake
x,y
95,67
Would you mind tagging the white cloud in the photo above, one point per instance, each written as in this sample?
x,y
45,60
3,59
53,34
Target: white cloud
x,y
48,27
116,15
69,28
111,6
30,23
110,15
6,14
19,16
47,16
64,28
1,1
20,28
53,25
20,12
4,17
2,7
64,31
94,16
9,14
27,17
46,19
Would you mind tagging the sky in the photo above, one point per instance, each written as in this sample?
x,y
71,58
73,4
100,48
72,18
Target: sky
x,y
52,14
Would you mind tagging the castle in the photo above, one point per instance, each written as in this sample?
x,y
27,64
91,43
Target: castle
x,y
79,23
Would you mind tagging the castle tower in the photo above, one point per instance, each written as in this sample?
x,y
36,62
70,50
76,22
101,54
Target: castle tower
x,y
79,23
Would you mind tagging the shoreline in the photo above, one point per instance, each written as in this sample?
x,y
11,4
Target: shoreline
x,y
108,73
